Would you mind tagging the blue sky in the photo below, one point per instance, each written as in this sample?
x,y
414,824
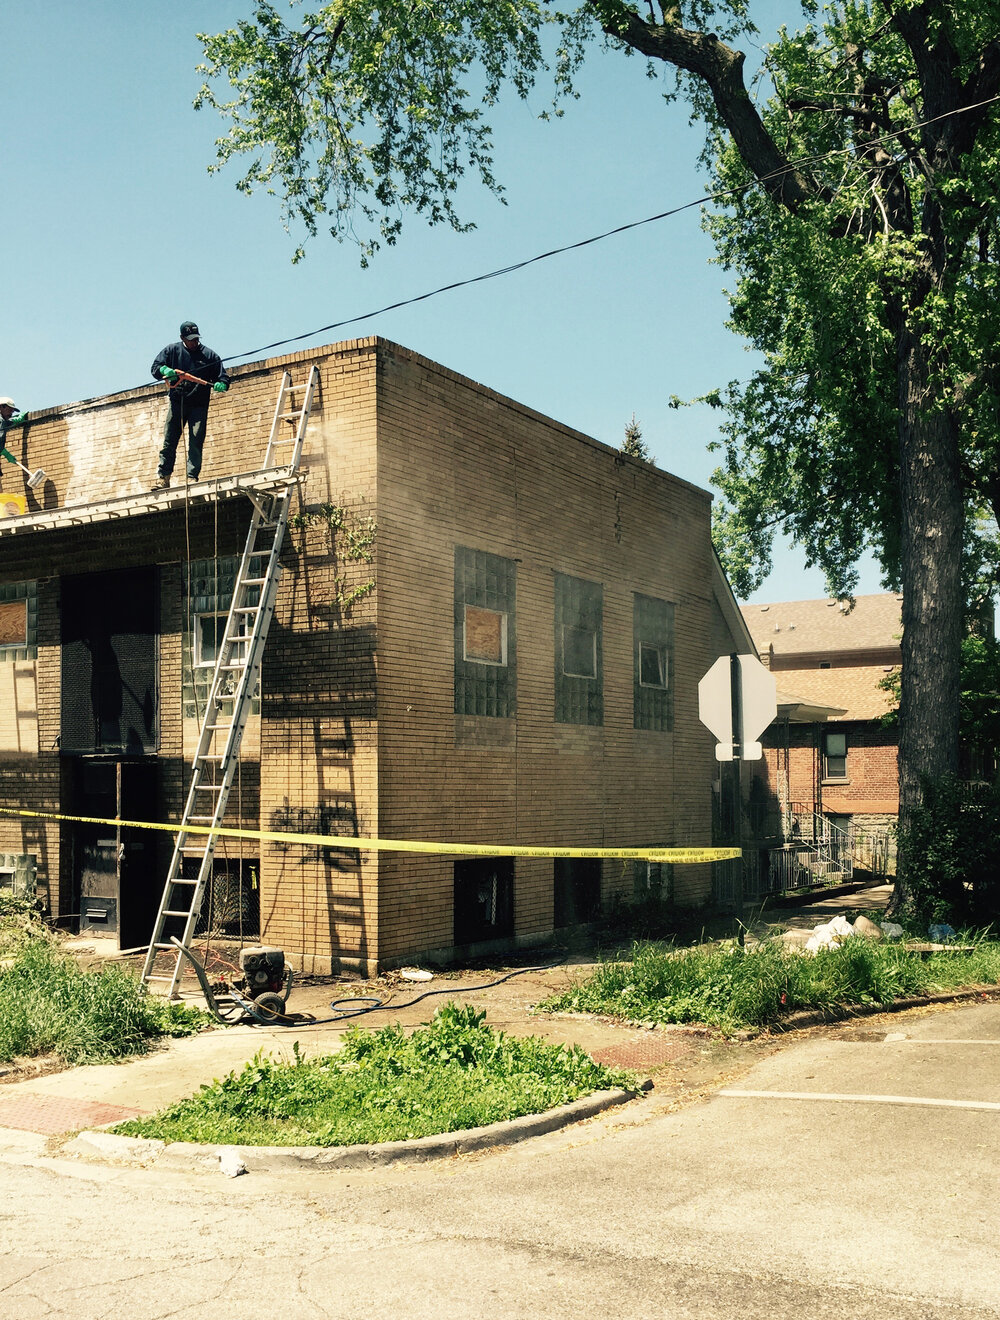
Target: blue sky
x,y
114,232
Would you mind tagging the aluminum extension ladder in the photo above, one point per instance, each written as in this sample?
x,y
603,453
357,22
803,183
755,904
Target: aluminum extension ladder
x,y
234,684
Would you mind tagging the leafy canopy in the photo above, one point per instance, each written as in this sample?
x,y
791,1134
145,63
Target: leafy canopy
x,y
812,438
364,109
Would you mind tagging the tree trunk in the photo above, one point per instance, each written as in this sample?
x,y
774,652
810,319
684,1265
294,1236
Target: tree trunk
x,y
931,567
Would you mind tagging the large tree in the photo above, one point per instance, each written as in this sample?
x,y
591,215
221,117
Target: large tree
x,y
860,213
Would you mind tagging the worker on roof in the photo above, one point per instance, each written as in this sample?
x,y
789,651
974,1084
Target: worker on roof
x,y
192,372
9,416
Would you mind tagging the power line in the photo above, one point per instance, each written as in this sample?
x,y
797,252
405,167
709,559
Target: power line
x,y
609,233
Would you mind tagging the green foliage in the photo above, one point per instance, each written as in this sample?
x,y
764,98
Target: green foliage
x,y
951,851
633,444
450,1074
50,1005
730,989
353,541
363,110
811,441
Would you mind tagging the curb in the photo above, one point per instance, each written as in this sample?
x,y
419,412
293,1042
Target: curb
x,y
814,1017
146,1151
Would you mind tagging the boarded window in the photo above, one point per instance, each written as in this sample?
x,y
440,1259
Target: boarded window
x,y
485,636
485,646
18,621
579,673
652,654
13,623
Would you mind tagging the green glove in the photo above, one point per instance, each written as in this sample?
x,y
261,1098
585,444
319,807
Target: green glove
x,y
220,387
18,419
168,373
8,455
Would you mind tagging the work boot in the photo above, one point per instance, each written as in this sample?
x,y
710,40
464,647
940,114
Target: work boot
x,y
161,483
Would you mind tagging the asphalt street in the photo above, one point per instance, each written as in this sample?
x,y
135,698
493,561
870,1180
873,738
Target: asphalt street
x,y
852,1173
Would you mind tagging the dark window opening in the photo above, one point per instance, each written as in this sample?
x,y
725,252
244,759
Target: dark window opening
x,y
484,899
576,890
109,645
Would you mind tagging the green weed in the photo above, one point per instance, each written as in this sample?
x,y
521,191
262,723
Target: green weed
x,y
731,989
450,1074
50,1005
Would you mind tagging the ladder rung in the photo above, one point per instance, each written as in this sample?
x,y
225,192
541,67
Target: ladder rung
x,y
176,912
253,582
182,880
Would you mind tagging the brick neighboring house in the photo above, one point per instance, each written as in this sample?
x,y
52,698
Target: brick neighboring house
x,y
829,753
518,663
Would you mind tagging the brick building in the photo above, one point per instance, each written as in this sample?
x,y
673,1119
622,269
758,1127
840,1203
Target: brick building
x,y
829,752
489,629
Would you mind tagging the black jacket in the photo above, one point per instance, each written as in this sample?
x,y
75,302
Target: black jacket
x,y
203,362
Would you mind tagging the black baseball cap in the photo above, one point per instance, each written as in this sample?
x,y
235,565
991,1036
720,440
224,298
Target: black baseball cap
x,y
190,331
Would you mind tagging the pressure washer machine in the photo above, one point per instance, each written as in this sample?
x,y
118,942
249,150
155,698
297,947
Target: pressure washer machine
x,y
260,994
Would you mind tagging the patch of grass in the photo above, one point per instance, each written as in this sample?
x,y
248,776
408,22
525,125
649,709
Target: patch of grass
x,y
50,1005
731,989
450,1074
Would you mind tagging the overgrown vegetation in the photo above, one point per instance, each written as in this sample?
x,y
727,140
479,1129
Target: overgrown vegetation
x,y
51,1005
450,1074
731,989
352,541
951,850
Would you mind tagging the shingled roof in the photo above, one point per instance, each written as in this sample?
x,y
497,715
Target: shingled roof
x,y
826,627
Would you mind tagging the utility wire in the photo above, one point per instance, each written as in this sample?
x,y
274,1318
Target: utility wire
x,y
609,233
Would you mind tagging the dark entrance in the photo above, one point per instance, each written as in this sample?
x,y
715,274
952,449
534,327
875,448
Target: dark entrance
x,y
577,890
115,871
109,662
108,730
484,899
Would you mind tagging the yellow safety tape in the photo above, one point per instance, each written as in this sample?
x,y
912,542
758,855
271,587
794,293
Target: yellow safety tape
x,y
397,845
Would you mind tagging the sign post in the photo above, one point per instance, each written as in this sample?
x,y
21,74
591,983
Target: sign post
x,y
737,700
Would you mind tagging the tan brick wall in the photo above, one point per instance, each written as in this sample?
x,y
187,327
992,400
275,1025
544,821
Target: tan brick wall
x,y
459,464
357,732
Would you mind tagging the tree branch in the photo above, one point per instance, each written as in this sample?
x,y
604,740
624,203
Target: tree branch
x,y
721,69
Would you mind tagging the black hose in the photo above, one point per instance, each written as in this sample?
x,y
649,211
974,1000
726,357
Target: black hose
x,y
374,1003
